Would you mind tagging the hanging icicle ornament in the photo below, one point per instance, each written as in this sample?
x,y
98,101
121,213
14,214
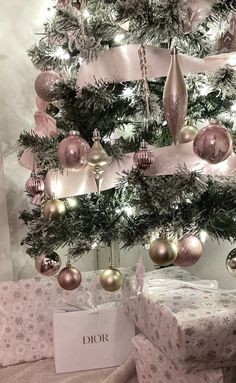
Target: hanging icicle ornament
x,y
144,157
53,209
175,97
97,158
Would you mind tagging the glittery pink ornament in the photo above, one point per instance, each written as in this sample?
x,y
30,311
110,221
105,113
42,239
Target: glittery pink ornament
x,y
72,152
45,86
175,97
144,157
213,143
189,251
34,185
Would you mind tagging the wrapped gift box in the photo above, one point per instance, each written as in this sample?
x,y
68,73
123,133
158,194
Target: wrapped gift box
x,y
196,329
154,367
90,339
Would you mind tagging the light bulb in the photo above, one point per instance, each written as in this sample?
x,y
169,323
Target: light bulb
x,y
72,202
129,210
62,54
128,92
119,38
233,107
203,235
232,60
86,13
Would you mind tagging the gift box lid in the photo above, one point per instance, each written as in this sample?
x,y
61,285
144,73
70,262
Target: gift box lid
x,y
195,328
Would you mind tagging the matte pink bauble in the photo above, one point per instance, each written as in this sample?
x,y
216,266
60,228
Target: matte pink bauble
x,y
189,251
69,278
213,143
72,152
45,86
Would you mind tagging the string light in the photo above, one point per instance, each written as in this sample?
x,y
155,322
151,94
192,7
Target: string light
x,y
232,60
128,92
203,235
233,107
86,14
72,202
119,38
62,54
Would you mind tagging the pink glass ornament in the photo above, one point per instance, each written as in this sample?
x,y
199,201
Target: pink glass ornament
x,y
34,185
72,152
144,157
189,251
48,264
45,86
213,143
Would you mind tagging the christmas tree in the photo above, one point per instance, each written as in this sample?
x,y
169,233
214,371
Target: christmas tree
x,y
103,74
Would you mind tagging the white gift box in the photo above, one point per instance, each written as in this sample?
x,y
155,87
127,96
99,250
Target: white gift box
x,y
90,339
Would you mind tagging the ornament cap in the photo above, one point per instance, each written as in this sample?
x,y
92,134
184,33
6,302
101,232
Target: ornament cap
x,y
74,133
96,135
174,51
143,145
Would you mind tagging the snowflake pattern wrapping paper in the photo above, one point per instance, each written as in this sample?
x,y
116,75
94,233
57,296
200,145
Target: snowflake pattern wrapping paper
x,y
154,367
195,329
26,312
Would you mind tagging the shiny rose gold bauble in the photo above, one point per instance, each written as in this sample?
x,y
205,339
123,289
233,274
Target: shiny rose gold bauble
x,y
73,151
111,279
213,143
231,263
69,278
48,264
187,134
175,97
189,251
34,185
144,157
163,252
53,209
45,86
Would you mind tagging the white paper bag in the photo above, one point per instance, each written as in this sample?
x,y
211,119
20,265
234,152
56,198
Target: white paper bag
x,y
84,340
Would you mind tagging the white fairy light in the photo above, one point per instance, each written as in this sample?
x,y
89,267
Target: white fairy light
x,y
86,14
203,235
204,90
94,246
62,54
72,202
232,60
233,107
128,92
129,210
118,38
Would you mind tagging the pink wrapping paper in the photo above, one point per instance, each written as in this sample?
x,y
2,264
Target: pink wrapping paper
x,y
196,329
154,367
